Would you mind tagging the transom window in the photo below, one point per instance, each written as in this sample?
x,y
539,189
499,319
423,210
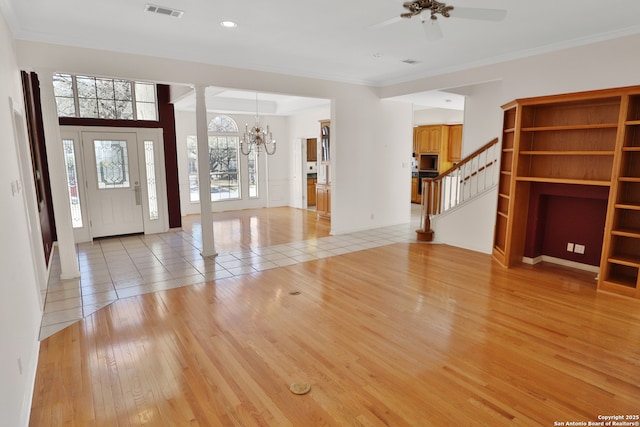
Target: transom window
x,y
104,98
224,158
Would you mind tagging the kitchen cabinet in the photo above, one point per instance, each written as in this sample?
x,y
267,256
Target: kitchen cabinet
x,y
454,152
415,197
311,191
428,139
443,140
323,201
312,150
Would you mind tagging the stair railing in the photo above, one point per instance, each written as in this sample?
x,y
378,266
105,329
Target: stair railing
x,y
470,177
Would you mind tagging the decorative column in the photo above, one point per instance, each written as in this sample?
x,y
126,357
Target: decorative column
x,y
204,177
58,177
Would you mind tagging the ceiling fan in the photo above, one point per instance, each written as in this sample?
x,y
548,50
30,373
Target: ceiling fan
x,y
428,11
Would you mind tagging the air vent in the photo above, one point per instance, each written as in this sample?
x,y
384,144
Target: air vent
x,y
163,10
410,61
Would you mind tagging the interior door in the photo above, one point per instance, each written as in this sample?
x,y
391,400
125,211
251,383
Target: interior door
x,y
113,183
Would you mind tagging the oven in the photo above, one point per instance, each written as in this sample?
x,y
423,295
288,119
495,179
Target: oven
x,y
425,174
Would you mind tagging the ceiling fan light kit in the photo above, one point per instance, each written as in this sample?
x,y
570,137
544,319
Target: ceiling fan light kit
x,y
418,6
428,10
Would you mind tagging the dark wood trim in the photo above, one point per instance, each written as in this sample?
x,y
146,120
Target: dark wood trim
x,y
167,118
40,165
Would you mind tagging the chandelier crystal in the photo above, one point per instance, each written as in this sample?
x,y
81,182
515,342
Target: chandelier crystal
x,y
258,138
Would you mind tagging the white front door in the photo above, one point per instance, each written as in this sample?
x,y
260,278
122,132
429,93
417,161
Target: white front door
x,y
113,183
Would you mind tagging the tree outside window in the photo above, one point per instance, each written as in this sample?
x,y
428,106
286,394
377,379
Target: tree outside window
x,y
224,161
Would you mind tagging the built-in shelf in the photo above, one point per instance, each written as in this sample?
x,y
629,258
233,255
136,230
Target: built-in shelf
x,y
629,206
622,260
570,127
568,153
583,139
563,181
626,233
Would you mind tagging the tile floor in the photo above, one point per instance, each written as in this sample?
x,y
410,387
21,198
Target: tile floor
x,y
122,267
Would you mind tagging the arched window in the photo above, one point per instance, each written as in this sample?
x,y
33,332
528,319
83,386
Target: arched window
x,y
224,162
223,124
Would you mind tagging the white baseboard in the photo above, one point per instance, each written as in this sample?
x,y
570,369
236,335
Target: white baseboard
x,y
560,261
27,400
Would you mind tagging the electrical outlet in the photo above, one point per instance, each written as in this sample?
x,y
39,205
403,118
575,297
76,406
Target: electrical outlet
x,y
579,249
20,365
569,247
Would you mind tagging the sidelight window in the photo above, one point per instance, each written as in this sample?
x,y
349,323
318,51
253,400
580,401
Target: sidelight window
x,y
72,182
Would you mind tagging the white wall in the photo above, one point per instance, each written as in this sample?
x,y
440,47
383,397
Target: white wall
x,y
437,116
607,64
371,145
304,125
277,166
19,304
372,138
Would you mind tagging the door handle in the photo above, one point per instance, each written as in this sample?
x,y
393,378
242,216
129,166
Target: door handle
x,y
136,188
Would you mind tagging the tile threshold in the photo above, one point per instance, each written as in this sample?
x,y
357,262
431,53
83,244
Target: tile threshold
x,y
98,288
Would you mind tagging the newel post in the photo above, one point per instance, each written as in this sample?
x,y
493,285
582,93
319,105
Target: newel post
x,y
425,234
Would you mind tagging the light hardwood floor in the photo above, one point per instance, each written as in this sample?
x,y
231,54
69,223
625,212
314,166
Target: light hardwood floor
x,y
399,335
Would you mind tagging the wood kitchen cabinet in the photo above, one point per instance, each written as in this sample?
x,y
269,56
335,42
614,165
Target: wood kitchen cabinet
x,y
454,152
428,139
311,191
443,140
312,150
323,201
415,197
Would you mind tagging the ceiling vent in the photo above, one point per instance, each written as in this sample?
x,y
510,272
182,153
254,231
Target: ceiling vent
x,y
164,10
410,61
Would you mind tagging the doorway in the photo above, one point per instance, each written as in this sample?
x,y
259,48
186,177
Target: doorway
x,y
116,181
113,183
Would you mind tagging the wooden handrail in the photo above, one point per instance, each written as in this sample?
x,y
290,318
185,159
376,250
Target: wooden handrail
x,y
465,160
431,189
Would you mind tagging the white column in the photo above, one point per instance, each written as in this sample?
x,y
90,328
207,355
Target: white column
x,y
204,177
58,178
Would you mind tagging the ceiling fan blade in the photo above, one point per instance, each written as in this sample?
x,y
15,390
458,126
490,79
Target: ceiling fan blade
x,y
386,22
478,13
432,29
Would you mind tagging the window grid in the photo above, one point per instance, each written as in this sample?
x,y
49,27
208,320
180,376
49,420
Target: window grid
x,y
96,97
224,157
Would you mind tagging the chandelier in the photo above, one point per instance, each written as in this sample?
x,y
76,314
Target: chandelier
x,y
257,138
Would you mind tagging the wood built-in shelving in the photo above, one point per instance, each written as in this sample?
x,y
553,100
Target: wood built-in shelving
x,y
505,184
588,138
621,252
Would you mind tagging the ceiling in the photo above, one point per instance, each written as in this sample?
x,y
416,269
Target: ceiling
x,y
244,102
331,39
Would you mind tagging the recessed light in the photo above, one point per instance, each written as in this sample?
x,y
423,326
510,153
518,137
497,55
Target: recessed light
x,y
229,24
378,55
